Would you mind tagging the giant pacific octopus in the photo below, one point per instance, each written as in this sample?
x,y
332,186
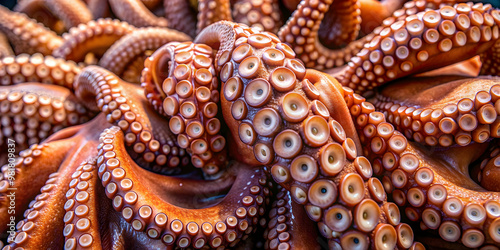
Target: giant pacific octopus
x,y
130,134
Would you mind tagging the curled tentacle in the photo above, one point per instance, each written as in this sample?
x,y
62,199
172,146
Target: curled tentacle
x,y
214,224
301,32
37,68
265,14
434,185
443,110
278,120
124,106
212,11
135,13
140,40
421,42
98,8
180,16
289,227
342,24
35,38
188,95
38,169
70,13
92,37
31,112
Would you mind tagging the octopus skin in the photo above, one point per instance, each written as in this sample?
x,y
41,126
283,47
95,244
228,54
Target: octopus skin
x,y
136,44
124,106
70,13
444,36
93,37
5,49
180,16
188,97
444,110
132,178
26,34
135,13
319,164
435,187
38,68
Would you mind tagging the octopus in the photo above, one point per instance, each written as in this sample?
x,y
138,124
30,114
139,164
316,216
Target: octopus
x,y
211,124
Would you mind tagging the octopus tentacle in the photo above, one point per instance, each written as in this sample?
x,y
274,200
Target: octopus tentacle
x,y
35,37
133,71
125,107
435,186
212,11
81,220
49,12
72,13
443,110
279,117
52,201
180,16
135,13
263,14
38,68
98,8
343,25
490,61
5,48
220,224
38,10
150,4
301,31
31,112
289,227
136,44
487,170
188,96
94,36
36,165
442,37
373,12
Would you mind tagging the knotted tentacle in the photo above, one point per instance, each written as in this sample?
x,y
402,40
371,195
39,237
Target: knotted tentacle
x,y
187,93
92,37
221,223
212,11
180,16
135,13
434,185
134,45
37,68
31,112
263,14
443,110
26,35
125,106
277,119
421,42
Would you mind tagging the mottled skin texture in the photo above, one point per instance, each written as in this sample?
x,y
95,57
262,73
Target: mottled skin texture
x,y
340,169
